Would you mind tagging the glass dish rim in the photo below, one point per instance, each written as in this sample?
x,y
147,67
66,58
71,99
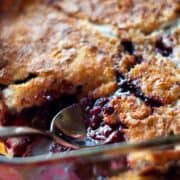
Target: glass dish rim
x,y
102,151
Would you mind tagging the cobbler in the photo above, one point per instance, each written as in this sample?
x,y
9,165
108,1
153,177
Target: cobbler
x,y
118,59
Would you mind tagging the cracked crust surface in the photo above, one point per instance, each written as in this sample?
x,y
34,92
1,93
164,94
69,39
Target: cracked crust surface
x,y
54,48
157,78
140,118
59,51
143,122
121,13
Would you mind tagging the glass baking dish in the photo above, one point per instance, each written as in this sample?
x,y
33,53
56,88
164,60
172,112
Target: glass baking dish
x,y
101,162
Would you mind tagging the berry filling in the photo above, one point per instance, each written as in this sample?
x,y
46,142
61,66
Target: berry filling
x,y
127,86
95,110
97,129
127,46
162,48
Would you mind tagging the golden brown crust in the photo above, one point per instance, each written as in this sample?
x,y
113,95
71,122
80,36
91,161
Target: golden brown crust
x,y
163,121
142,123
153,161
128,109
157,78
47,44
125,14
138,118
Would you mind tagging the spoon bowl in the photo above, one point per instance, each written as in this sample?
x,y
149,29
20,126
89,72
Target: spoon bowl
x,y
67,129
70,121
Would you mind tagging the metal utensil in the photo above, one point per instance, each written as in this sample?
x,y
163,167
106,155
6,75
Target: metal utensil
x,y
69,121
13,131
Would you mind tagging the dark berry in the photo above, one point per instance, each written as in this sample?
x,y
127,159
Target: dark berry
x,y
115,136
132,87
139,59
18,145
95,122
163,48
153,102
124,85
101,101
96,110
108,110
55,148
128,46
107,130
86,101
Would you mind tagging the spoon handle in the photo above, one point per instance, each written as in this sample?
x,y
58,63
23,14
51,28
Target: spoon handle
x,y
7,132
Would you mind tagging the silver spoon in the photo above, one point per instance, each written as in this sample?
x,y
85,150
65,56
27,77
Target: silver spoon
x,y
69,121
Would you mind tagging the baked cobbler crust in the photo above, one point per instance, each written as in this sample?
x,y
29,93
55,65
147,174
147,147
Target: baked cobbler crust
x,y
122,13
157,78
55,50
